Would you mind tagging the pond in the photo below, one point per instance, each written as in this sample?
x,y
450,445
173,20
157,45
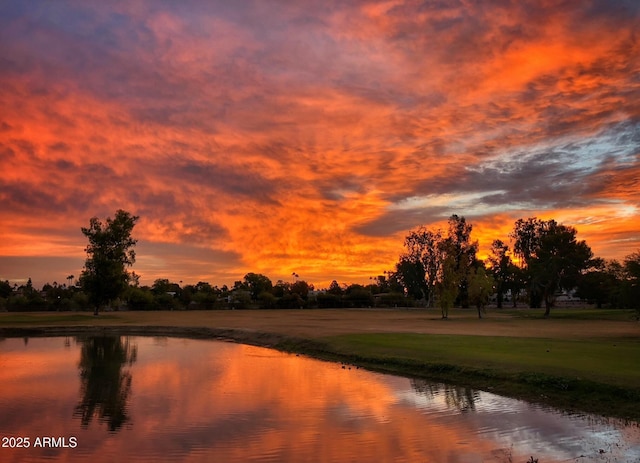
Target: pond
x,y
158,399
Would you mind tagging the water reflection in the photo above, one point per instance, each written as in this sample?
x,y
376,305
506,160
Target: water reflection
x,y
462,399
105,383
167,399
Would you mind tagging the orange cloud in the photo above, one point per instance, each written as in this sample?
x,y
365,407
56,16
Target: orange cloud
x,y
307,139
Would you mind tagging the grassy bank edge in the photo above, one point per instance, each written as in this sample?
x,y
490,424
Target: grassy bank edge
x,y
565,393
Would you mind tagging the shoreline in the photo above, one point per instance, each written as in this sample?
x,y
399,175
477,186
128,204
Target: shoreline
x,y
567,394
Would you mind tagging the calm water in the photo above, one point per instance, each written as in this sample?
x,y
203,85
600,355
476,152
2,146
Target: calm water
x,y
104,399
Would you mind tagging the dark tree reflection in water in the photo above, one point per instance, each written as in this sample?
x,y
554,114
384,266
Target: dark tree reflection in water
x,y
105,381
458,398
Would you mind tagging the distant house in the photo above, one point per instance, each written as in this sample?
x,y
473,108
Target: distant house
x,y
567,297
239,298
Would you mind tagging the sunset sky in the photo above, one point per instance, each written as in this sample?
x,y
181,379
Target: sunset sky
x,y
277,136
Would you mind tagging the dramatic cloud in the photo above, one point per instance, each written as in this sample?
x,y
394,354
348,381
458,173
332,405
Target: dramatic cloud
x,y
279,137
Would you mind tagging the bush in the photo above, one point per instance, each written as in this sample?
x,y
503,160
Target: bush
x,y
204,301
392,300
80,301
267,300
139,299
359,298
240,300
18,304
290,301
328,300
65,304
166,302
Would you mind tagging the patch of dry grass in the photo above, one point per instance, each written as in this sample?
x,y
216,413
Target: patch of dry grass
x,y
330,322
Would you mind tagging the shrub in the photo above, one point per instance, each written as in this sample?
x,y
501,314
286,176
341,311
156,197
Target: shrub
x,y
290,301
139,299
267,300
328,300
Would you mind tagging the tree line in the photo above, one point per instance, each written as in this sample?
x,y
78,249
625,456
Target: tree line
x,y
546,259
437,268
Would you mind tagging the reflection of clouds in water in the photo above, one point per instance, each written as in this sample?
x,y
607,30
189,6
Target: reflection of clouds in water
x,y
517,424
195,400
549,431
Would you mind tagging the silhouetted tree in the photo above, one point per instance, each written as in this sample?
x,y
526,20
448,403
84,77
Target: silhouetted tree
x,y
552,255
438,265
166,294
394,283
301,288
411,275
448,281
257,283
501,269
632,266
334,288
5,289
419,266
516,283
464,252
109,253
5,293
281,288
204,295
163,286
358,296
631,287
600,283
480,288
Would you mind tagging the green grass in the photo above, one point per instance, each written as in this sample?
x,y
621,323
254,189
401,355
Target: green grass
x,y
572,313
599,376
610,361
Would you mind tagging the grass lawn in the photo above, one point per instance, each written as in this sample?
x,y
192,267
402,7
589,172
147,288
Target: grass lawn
x,y
610,361
575,314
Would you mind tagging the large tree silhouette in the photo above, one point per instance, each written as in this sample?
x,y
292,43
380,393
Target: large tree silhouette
x,y
552,256
109,253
